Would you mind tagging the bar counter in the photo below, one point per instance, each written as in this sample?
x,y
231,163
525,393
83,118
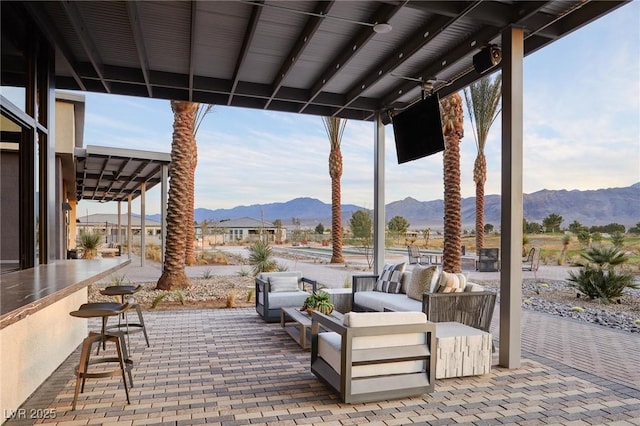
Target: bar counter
x,y
25,292
36,331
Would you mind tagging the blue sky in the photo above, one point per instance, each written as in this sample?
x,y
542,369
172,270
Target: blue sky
x,y
581,131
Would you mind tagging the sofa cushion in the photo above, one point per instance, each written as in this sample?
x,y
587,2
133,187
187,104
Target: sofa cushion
x,y
451,283
283,283
329,347
389,280
422,280
378,301
284,299
372,319
471,287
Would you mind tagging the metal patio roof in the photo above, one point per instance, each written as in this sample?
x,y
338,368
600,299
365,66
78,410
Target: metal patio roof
x,y
312,57
112,174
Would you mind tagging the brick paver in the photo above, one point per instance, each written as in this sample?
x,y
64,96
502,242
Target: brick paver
x,y
228,367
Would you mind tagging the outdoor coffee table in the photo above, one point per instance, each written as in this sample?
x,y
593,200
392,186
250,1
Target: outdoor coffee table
x,y
297,324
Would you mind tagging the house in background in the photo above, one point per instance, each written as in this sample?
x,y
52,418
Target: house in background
x,y
242,230
107,225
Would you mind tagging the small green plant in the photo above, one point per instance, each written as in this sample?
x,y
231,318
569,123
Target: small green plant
x,y
260,256
89,243
250,294
577,309
243,272
598,277
207,274
119,280
347,282
179,296
319,301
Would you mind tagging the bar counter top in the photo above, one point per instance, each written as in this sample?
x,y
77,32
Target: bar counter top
x,y
25,292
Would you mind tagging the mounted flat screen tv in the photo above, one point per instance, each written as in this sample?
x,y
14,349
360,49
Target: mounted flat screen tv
x,y
418,130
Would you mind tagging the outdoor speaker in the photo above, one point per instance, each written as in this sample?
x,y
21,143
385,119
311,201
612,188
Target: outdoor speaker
x,y
487,58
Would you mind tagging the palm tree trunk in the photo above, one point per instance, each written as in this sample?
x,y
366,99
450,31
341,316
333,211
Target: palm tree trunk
x,y
189,254
480,177
173,276
335,171
453,131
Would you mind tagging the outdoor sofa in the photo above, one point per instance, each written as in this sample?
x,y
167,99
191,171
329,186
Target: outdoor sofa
x,y
443,297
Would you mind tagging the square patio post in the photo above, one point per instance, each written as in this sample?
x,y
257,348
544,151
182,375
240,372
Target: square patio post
x,y
378,195
512,204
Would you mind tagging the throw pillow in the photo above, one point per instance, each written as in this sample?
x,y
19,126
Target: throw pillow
x,y
420,281
451,283
279,284
389,280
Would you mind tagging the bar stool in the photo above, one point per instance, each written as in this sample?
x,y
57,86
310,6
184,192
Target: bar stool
x,y
122,291
103,311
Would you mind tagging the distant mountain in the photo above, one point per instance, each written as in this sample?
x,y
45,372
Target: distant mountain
x,y
592,207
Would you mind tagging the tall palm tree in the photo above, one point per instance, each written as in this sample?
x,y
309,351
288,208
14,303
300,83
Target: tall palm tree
x,y
453,130
335,128
201,112
483,103
173,275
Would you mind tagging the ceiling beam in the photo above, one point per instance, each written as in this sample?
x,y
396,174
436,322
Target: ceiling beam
x,y
310,28
410,46
138,37
246,44
192,46
73,13
476,41
55,38
383,14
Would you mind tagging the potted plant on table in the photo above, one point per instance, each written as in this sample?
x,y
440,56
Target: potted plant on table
x,y
318,301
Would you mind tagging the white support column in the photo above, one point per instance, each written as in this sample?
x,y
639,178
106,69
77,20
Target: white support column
x,y
129,239
164,198
119,231
143,223
512,200
378,196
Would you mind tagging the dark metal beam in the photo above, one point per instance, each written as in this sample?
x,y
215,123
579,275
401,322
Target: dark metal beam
x,y
138,37
310,28
410,46
383,14
55,38
192,46
246,44
84,36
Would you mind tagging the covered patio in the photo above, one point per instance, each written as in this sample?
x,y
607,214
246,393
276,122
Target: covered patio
x,y
228,367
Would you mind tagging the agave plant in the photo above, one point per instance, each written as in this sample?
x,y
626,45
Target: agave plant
x,y
260,256
318,301
598,278
89,242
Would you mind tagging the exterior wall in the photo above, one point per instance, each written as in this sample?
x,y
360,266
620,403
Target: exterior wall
x,y
32,348
65,128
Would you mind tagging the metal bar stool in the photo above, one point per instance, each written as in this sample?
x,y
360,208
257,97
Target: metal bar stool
x,y
122,291
103,311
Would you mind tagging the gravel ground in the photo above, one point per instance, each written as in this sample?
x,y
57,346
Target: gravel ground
x,y
551,297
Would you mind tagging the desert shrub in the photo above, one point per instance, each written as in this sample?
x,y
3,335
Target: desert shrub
x,y
598,278
89,243
152,252
260,257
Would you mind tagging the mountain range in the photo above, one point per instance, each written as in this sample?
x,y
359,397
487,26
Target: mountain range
x,y
590,207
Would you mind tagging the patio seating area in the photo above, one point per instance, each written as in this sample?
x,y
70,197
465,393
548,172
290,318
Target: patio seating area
x,y
229,367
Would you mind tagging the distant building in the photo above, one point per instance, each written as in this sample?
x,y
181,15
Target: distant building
x,y
240,230
107,225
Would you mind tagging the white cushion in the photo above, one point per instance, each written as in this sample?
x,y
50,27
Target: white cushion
x,y
329,349
372,319
280,283
378,301
473,287
451,283
284,299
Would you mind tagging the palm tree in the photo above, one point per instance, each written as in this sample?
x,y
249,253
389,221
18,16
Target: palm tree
x,y
335,128
483,103
178,228
201,112
453,130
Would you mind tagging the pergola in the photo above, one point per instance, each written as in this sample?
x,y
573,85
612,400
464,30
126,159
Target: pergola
x,y
349,59
107,174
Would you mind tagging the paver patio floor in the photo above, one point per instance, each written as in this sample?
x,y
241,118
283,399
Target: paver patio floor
x,y
228,367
